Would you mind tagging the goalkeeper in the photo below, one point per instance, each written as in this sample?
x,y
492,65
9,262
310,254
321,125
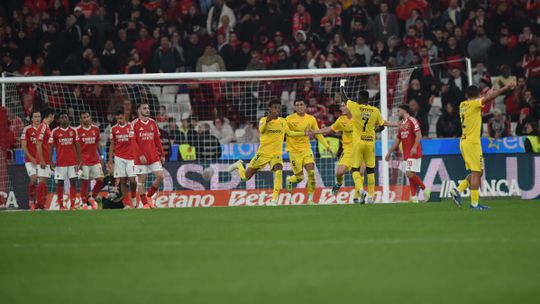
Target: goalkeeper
x,y
366,120
272,129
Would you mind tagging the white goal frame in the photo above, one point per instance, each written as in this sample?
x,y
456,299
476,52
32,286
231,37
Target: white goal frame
x,y
380,71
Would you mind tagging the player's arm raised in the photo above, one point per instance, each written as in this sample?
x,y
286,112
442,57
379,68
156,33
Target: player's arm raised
x,y
489,97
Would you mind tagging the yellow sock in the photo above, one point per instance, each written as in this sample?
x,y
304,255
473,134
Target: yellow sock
x,y
463,185
242,172
358,183
277,184
371,184
293,179
474,197
339,179
311,182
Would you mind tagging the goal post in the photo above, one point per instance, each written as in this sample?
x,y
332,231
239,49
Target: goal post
x,y
249,88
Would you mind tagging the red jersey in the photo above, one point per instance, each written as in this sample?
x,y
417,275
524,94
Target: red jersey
x,y
89,140
407,134
88,8
30,135
123,138
148,140
64,141
44,132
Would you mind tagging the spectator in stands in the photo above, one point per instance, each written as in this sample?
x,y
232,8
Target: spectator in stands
x,y
109,59
419,94
532,142
186,128
363,50
404,56
528,101
96,68
144,46
478,47
206,145
210,61
380,55
385,24
162,115
479,72
524,119
457,85
166,142
247,134
9,64
256,62
283,62
454,13
222,131
215,17
498,125
420,115
29,68
174,131
87,7
448,124
166,59
301,18
135,64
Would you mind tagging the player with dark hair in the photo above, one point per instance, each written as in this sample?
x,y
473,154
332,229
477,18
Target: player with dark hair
x,y
409,135
150,154
299,148
272,130
68,159
92,159
470,114
42,147
122,151
366,121
29,139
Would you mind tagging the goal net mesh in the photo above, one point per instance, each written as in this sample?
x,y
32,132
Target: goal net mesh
x,y
192,113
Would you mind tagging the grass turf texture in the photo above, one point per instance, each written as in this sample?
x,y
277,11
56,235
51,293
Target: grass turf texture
x,y
430,253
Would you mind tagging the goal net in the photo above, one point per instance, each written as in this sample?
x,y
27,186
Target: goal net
x,y
196,110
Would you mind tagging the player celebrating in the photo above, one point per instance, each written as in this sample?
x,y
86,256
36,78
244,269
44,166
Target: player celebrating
x,y
366,120
68,159
470,113
29,138
272,129
92,155
409,135
299,148
122,151
344,125
42,148
151,154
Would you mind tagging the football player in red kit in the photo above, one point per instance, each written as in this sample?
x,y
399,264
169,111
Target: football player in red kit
x,y
122,152
150,155
42,148
92,155
409,135
68,159
29,139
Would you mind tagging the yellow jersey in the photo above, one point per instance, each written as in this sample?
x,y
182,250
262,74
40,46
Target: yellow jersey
x,y
470,114
299,123
344,125
272,135
365,119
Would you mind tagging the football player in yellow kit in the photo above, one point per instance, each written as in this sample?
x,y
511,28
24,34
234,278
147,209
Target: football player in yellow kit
x,y
366,121
272,130
299,148
470,114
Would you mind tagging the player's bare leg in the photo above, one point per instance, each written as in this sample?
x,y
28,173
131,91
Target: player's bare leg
x,y
32,186
475,179
95,193
278,180
340,175
415,183
141,181
158,179
310,168
73,193
60,194
133,190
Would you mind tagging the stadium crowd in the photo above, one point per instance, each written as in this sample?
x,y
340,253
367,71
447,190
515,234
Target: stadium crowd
x,y
66,37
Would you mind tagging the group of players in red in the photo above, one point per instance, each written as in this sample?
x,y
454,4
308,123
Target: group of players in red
x,y
135,151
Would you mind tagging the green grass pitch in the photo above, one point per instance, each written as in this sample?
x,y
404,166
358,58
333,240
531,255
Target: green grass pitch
x,y
400,253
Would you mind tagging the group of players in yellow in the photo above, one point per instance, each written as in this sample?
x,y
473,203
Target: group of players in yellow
x,y
358,125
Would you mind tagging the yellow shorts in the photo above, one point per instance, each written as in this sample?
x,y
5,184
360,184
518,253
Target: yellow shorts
x,y
347,158
260,160
363,152
300,159
472,155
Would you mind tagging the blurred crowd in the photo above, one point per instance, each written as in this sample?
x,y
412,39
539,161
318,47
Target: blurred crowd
x,y
66,37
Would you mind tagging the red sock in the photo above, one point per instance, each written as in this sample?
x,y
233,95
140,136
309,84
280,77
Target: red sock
x,y
133,192
84,190
419,182
32,192
73,195
151,191
97,188
144,199
412,185
60,195
42,195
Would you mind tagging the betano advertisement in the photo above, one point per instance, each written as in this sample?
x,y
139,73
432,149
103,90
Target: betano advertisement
x,y
505,175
